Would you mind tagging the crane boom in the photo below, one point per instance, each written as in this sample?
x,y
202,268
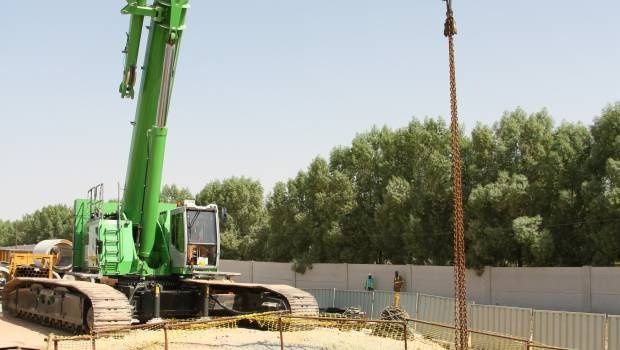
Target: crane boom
x,y
146,157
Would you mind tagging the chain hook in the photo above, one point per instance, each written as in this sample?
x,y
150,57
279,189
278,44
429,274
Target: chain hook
x,y
449,27
460,289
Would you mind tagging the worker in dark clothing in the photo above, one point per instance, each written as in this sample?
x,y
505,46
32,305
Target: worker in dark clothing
x,y
370,283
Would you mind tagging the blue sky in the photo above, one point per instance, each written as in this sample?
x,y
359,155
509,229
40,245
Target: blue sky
x,y
263,87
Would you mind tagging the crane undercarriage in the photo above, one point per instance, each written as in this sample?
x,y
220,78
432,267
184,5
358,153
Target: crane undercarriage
x,y
80,306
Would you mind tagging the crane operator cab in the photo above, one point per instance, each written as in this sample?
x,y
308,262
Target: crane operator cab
x,y
194,238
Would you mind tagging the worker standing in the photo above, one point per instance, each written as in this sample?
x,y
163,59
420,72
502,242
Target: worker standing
x,y
398,285
398,282
370,283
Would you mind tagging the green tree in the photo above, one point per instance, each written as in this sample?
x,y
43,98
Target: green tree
x,y
422,156
535,242
492,209
553,162
173,193
397,221
483,163
7,233
535,194
283,222
383,163
305,214
601,190
364,164
524,144
243,200
567,171
53,221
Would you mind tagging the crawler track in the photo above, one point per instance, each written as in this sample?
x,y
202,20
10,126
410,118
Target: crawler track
x,y
71,305
297,301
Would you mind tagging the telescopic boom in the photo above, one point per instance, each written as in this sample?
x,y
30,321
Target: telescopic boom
x,y
146,157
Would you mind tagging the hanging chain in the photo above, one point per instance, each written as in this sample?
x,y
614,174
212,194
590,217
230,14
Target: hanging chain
x,y
460,290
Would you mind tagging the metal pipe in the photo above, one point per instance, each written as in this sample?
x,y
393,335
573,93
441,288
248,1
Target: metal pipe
x,y
166,86
280,329
62,248
157,308
205,310
165,336
152,189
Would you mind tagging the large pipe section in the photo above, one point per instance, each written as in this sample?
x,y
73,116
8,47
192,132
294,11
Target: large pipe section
x,y
61,248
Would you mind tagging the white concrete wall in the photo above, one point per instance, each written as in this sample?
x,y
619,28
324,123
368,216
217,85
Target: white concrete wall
x,y
433,280
242,267
585,289
382,274
273,273
605,290
438,280
323,276
479,285
551,288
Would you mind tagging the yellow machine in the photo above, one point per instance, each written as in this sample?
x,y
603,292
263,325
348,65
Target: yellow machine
x,y
31,265
28,265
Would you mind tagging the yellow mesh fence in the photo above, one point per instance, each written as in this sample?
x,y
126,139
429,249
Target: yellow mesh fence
x,y
278,331
544,347
444,336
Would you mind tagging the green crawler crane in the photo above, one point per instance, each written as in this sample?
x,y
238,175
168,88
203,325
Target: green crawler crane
x,y
139,259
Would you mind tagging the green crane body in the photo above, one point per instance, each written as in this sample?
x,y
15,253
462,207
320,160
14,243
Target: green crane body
x,y
150,259
135,237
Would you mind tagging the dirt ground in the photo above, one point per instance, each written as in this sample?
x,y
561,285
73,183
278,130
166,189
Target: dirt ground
x,y
16,332
239,338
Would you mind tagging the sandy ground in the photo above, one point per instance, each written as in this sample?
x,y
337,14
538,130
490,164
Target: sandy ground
x,y
16,332
232,339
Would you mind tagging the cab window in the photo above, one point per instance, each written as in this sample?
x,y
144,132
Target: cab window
x,y
178,231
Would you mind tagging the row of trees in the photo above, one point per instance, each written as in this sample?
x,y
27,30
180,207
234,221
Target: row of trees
x,y
534,194
53,221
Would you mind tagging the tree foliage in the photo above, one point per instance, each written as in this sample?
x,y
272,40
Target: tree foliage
x,y
173,194
53,221
535,194
304,216
243,200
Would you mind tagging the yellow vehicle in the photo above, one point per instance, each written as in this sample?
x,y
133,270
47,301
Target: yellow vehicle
x,y
49,258
32,265
28,265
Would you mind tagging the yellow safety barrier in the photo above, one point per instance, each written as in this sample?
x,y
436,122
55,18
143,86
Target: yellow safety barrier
x,y
282,331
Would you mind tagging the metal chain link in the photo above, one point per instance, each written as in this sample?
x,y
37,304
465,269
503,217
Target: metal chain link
x,y
460,290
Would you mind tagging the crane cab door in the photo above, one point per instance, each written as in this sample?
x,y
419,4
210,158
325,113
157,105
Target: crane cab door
x,y
91,247
195,238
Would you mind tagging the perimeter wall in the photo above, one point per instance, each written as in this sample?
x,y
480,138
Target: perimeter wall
x,y
583,289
